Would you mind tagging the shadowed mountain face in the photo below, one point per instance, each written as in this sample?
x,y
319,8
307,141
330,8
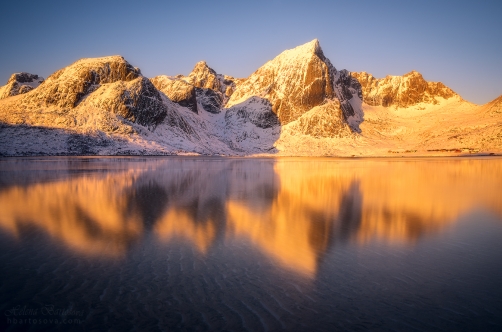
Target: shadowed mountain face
x,y
291,210
296,104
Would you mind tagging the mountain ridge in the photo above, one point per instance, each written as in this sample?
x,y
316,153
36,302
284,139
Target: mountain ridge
x,y
295,104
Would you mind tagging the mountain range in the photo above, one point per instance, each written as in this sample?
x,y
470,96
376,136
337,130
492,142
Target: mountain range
x,y
297,104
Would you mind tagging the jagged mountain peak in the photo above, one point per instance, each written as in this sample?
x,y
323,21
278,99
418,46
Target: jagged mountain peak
x,y
412,73
294,81
299,79
203,76
202,89
289,105
202,66
301,52
315,43
312,47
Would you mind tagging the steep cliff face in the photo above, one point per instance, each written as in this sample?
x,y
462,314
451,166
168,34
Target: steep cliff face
x,y
349,94
20,83
401,91
294,82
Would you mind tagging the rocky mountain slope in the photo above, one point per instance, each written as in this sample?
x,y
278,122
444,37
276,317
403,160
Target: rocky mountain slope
x,y
294,82
296,104
20,83
109,84
401,91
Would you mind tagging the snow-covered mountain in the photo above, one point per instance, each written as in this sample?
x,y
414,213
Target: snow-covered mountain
x,y
296,104
203,86
401,91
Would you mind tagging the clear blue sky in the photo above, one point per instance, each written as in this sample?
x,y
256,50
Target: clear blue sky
x,y
456,42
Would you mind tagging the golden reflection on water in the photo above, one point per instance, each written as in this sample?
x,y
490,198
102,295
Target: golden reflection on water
x,y
406,200
292,210
176,223
86,213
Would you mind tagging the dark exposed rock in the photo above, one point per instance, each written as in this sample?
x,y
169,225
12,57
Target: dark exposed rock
x,y
256,110
211,101
25,78
346,87
298,92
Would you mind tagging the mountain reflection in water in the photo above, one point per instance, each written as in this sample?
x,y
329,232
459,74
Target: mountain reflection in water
x,y
291,209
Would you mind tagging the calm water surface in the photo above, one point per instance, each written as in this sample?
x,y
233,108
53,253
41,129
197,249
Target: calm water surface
x,y
300,244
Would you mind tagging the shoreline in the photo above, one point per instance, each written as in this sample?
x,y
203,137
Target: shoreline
x,y
195,155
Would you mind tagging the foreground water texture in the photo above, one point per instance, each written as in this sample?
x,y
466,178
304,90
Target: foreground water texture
x,y
193,243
